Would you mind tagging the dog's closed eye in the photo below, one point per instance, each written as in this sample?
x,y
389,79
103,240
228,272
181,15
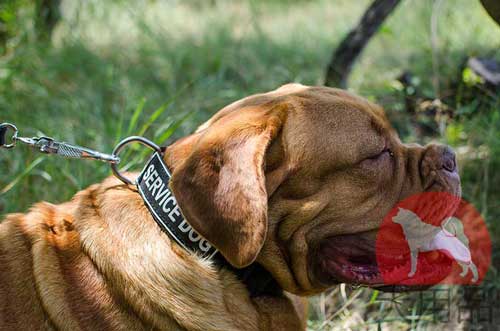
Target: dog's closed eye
x,y
375,159
379,155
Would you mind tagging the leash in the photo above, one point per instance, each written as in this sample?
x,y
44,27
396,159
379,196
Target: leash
x,y
48,145
152,184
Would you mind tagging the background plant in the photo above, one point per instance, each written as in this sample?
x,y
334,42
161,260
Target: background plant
x,y
160,68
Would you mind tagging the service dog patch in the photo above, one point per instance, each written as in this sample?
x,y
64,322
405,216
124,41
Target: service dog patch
x,y
153,187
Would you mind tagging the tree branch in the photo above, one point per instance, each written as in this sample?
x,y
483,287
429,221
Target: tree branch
x,y
353,44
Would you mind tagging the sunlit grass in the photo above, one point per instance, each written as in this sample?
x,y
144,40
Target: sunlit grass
x,y
160,68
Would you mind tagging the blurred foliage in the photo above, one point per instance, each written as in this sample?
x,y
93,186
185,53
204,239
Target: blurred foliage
x,y
160,68
47,15
10,23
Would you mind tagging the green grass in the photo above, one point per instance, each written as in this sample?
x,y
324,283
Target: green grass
x,y
160,69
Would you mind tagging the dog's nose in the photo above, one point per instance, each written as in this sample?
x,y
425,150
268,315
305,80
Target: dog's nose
x,y
439,157
449,162
438,168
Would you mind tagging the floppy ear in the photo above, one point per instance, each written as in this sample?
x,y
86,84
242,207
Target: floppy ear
x,y
221,187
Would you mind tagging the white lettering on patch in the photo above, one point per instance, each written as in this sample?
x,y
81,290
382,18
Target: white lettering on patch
x,y
204,245
149,172
174,211
151,177
184,226
155,186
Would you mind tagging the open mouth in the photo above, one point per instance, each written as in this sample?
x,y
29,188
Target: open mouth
x,y
348,259
427,239
356,259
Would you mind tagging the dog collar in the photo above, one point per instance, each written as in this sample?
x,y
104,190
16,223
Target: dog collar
x,y
152,184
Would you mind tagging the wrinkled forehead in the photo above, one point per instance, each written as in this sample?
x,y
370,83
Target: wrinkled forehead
x,y
322,124
333,123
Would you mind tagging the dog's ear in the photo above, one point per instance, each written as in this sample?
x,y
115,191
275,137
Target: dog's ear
x,y
221,187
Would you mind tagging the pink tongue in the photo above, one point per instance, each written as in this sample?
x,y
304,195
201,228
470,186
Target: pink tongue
x,y
449,243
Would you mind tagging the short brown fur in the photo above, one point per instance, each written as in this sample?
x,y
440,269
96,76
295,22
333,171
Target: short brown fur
x,y
264,180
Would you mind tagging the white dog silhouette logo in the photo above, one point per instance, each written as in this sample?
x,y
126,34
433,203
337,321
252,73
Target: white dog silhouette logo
x,y
448,237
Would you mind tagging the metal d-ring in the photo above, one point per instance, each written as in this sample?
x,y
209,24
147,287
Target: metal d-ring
x,y
3,133
121,145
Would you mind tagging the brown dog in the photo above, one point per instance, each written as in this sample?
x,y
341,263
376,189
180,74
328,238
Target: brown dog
x,y
286,179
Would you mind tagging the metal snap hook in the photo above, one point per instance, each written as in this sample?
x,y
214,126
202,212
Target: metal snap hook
x,y
4,128
121,145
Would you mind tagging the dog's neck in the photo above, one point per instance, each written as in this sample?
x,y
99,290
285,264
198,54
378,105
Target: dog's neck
x,y
126,246
256,278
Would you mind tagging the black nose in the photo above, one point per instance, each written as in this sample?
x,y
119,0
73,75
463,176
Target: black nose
x,y
449,160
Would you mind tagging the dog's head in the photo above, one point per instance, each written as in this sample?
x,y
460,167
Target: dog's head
x,y
299,180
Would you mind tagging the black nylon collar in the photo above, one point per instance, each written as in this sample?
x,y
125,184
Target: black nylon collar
x,y
152,184
153,187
